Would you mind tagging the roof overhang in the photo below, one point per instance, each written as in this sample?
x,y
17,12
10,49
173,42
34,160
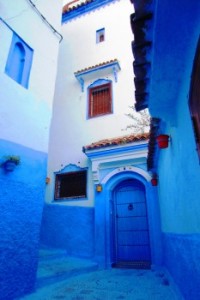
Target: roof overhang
x,y
98,71
165,40
117,156
71,12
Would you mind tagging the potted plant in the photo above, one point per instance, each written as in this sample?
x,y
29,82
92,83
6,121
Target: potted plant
x,y
154,181
162,140
11,161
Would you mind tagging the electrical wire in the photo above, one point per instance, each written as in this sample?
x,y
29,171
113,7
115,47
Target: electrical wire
x,y
45,20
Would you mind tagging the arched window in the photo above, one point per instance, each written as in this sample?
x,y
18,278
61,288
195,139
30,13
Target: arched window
x,y
17,66
19,61
194,100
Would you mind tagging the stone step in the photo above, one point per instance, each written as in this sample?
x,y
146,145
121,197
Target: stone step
x,y
56,266
49,254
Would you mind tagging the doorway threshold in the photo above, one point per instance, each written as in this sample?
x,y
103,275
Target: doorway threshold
x,y
132,264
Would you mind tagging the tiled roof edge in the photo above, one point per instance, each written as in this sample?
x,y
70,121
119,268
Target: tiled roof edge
x,y
117,141
82,8
97,65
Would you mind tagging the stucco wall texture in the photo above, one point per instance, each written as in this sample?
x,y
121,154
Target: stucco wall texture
x,y
70,228
21,204
181,256
178,165
25,121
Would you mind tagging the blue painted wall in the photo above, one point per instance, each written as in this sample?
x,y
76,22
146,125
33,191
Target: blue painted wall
x,y
179,183
70,228
21,204
178,165
103,217
181,256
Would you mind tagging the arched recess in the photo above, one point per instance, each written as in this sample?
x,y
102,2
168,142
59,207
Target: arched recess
x,y
17,67
19,61
104,214
136,173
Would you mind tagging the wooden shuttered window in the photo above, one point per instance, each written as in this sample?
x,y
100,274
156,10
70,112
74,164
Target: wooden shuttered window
x,y
194,101
100,100
71,185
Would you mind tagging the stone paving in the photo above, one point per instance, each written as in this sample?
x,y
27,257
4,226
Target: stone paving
x,y
77,279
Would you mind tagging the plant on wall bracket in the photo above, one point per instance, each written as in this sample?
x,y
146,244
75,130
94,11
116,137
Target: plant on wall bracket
x,y
10,162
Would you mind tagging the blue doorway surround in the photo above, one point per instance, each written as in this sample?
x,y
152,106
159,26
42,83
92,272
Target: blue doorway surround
x,y
130,245
105,231
113,168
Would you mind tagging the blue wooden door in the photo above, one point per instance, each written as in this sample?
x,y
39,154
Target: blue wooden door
x,y
131,233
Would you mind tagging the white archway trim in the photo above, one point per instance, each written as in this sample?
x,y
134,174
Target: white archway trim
x,y
136,170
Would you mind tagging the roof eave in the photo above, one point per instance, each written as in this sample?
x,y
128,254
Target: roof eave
x,y
141,24
83,8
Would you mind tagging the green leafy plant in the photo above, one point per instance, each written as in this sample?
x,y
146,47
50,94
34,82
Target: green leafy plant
x,y
14,158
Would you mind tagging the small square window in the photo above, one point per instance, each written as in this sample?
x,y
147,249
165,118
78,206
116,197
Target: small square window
x,y
71,185
100,100
100,35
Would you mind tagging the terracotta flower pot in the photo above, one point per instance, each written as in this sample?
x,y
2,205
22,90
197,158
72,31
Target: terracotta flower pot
x,y
154,181
162,140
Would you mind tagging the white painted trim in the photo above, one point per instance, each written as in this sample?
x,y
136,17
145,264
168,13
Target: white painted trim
x,y
125,169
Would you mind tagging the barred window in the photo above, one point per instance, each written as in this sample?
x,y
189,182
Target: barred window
x,y
100,35
100,100
71,185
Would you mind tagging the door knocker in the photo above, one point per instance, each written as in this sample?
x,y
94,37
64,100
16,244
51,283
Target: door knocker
x,y
130,207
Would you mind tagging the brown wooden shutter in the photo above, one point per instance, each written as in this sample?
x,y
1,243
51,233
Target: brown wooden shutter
x,y
100,100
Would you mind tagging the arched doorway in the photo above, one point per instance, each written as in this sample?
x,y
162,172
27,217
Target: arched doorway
x,y
130,230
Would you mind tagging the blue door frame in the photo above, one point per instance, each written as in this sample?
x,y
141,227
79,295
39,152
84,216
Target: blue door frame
x,y
130,230
105,250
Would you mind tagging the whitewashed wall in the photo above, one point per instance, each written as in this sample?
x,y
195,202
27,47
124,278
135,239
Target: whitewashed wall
x,y
25,115
29,110
71,129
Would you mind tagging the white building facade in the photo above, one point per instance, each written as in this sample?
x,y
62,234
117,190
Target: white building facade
x,y
94,92
85,63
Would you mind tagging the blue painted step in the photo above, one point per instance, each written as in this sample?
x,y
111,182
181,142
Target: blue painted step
x,y
56,265
48,253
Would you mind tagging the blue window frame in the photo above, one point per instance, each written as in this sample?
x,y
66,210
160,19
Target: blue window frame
x,y
71,185
19,61
100,35
100,98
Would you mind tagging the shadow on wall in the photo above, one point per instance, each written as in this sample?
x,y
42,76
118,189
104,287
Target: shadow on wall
x,y
70,228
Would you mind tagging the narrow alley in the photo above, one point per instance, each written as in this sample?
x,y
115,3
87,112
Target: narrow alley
x,y
64,277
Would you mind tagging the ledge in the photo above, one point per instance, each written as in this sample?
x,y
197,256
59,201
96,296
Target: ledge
x,y
97,71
